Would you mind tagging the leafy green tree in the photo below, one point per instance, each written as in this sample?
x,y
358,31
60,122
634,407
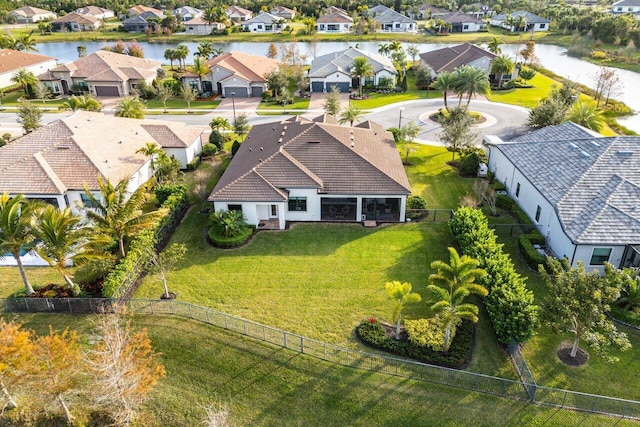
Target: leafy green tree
x,y
500,66
401,294
131,107
26,79
163,94
332,102
360,69
163,264
445,83
422,73
548,112
527,73
578,303
228,223
241,125
456,132
167,168
29,116
17,216
586,114
119,214
451,285
350,115
276,82
629,281
188,95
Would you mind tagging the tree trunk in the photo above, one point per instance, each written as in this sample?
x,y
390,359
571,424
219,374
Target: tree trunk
x,y
67,414
447,335
166,288
25,279
121,245
398,328
574,349
75,289
446,105
11,402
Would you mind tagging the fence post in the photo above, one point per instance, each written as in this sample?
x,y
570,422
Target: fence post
x,y
285,340
564,399
302,345
244,326
69,304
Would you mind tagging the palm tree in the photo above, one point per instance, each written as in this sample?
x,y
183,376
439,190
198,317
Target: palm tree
x,y
64,240
205,50
16,230
151,150
200,69
131,107
494,46
586,114
444,83
520,23
24,78
395,46
86,103
500,66
350,114
182,51
219,124
383,49
170,55
119,214
27,43
360,69
401,294
470,81
451,284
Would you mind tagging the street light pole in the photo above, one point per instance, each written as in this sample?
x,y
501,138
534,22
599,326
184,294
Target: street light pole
x,y
233,102
400,118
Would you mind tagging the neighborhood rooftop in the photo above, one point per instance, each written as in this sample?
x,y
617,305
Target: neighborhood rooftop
x,y
450,58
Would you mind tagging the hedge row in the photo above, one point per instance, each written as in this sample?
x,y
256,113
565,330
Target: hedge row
x,y
230,242
509,303
174,200
372,332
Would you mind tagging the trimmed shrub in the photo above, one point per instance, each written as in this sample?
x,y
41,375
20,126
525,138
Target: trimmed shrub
x,y
519,214
216,139
373,333
209,150
469,165
163,191
235,147
193,164
230,242
416,202
529,253
397,134
505,202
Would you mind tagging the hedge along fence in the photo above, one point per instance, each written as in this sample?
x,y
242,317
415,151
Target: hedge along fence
x,y
509,303
173,198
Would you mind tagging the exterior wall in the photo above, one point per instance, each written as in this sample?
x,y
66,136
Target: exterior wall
x,y
200,29
37,69
339,27
262,27
331,79
21,19
396,27
483,63
584,252
235,82
185,155
384,74
123,89
471,27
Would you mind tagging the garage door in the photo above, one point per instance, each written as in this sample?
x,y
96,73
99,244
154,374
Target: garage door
x,y
241,92
107,91
342,87
317,86
256,91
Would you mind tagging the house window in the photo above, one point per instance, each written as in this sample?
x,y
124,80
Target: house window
x,y
518,190
465,27
369,81
298,204
274,210
538,211
542,26
86,201
599,256
237,208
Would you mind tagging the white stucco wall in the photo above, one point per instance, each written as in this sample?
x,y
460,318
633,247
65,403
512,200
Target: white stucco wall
x,y
37,69
483,63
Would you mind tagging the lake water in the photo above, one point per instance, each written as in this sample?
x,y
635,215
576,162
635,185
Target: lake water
x,y
552,57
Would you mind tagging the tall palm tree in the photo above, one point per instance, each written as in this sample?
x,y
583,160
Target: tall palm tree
x,y
131,107
200,69
402,295
444,83
24,78
152,151
205,50
182,51
350,115
500,66
170,55
451,284
16,230
360,69
520,23
86,103
383,49
470,81
494,46
119,214
65,240
395,46
586,114
27,42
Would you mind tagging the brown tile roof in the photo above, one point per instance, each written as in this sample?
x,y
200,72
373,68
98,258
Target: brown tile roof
x,y
110,66
251,68
308,154
30,11
76,17
172,135
450,58
334,17
137,10
93,10
12,60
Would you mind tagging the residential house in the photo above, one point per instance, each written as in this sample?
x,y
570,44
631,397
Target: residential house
x,y
30,15
533,22
334,20
479,10
581,190
264,23
463,23
96,12
139,9
187,13
450,58
334,69
302,170
626,6
428,11
238,14
74,22
389,20
283,12
12,61
199,25
236,74
101,73
55,162
142,22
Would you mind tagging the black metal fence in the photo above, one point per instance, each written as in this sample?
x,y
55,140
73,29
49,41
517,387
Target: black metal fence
x,y
521,366
429,215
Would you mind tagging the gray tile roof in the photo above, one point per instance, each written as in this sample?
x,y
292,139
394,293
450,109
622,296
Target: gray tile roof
x,y
593,182
450,58
385,15
626,3
530,17
564,131
263,18
300,153
460,17
342,61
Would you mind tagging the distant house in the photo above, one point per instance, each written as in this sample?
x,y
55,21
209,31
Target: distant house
x,y
74,22
302,170
264,23
96,12
139,9
187,13
237,73
30,15
11,61
334,20
389,20
428,11
238,14
450,58
102,73
533,22
55,162
626,6
142,22
283,12
581,190
334,69
479,10
199,25
463,23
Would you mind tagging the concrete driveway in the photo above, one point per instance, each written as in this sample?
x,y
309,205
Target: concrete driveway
x,y
316,103
247,106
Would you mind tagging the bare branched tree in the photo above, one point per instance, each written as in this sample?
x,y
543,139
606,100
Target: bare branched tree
x,y
217,414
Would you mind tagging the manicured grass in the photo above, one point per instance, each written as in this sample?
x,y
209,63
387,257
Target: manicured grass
x,y
176,103
298,104
12,99
269,386
526,97
376,100
11,281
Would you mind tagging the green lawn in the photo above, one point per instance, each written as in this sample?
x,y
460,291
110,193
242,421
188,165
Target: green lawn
x,y
12,99
176,103
298,104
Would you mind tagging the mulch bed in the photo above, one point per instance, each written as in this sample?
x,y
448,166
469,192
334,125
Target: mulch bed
x,y
52,290
564,354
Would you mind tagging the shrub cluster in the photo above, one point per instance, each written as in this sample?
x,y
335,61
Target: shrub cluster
x,y
530,254
193,164
372,332
509,303
174,198
221,241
